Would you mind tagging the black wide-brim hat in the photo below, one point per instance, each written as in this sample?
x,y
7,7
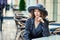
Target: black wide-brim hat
x,y
40,7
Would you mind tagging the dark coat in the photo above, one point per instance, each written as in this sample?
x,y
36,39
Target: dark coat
x,y
31,32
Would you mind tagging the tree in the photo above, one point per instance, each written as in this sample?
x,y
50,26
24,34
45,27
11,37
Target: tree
x,y
22,5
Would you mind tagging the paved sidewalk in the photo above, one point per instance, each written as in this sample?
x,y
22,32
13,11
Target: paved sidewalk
x,y
9,29
0,35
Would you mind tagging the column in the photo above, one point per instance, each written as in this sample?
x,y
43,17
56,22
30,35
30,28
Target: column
x,y
49,8
58,20
55,9
41,2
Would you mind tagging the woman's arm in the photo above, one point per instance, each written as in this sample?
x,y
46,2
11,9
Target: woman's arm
x,y
27,32
45,28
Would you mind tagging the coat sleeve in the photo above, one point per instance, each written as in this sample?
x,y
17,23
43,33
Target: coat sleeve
x,y
27,32
45,29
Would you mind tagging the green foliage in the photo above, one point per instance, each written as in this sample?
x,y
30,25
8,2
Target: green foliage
x,y
22,5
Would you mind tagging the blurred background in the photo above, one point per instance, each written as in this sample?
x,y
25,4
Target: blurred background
x,y
15,13
52,6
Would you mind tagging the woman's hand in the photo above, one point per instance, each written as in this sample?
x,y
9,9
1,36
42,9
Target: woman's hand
x,y
40,19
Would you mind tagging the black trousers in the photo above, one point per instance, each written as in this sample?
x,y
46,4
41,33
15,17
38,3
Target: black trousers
x,y
1,21
1,15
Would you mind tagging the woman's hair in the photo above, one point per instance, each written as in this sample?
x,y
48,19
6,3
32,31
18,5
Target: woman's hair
x,y
32,14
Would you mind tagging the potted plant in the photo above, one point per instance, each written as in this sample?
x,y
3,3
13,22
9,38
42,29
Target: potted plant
x,y
22,5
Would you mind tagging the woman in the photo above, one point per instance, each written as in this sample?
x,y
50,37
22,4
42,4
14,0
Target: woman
x,y
37,25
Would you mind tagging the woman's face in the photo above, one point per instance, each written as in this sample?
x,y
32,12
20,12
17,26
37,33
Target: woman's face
x,y
37,13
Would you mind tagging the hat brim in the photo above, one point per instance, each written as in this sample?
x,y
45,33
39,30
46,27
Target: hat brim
x,y
31,8
35,7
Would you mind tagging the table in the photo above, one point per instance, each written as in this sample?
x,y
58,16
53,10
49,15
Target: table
x,y
53,37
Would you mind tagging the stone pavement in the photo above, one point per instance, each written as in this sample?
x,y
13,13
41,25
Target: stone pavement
x,y
9,29
0,35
